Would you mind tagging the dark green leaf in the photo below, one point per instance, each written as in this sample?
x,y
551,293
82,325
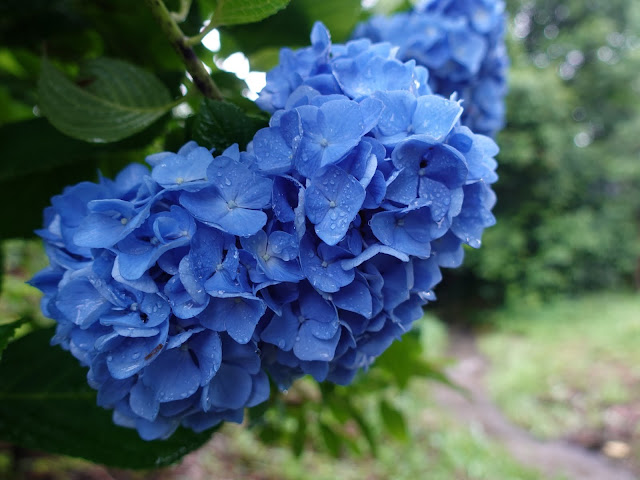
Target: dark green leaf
x,y
292,26
46,404
221,124
39,161
300,435
401,359
112,100
7,331
364,426
394,421
332,440
235,12
33,193
2,267
337,408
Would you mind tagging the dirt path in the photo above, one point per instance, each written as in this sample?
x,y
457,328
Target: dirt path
x,y
552,458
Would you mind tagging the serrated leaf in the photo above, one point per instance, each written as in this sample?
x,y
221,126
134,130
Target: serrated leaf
x,y
394,421
46,404
7,332
236,12
221,124
115,101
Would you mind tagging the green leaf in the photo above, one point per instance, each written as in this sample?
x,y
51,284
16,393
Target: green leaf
x,y
394,421
332,440
221,124
112,100
235,12
7,331
364,426
46,404
292,26
300,435
33,193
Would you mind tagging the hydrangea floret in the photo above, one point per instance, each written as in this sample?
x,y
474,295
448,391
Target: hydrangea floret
x,y
184,286
461,43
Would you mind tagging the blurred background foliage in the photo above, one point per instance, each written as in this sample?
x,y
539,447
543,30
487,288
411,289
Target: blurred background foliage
x,y
568,197
569,205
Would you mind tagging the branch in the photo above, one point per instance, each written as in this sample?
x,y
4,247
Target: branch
x,y
170,28
196,39
181,16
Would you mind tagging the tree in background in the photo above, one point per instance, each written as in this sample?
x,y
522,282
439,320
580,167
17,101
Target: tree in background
x,y
569,175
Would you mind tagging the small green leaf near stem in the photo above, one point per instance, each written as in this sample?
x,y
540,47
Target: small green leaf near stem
x,y
195,67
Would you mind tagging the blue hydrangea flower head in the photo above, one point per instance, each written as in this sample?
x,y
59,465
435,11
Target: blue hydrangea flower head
x,y
184,286
461,43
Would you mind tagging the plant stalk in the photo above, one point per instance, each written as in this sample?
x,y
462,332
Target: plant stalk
x,y
170,28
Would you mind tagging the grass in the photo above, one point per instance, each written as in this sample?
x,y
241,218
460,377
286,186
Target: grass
x,y
566,366
439,448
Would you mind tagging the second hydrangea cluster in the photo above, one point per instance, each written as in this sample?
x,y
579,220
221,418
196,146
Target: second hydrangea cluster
x,y
181,287
461,42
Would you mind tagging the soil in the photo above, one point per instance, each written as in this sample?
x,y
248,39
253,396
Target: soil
x,y
570,457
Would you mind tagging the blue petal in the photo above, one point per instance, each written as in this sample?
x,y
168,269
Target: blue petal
x,y
355,297
172,375
237,316
324,272
132,354
179,170
371,252
309,347
81,303
260,390
143,401
332,202
282,330
230,388
435,116
235,182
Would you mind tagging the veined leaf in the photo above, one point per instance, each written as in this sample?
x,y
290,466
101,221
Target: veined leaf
x,y
115,101
46,404
235,12
221,124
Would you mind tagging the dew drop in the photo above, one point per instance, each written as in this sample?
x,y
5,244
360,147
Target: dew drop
x,y
135,356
